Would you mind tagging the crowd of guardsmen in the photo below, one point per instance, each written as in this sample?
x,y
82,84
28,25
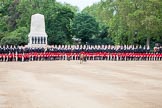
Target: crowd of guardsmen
x,y
72,52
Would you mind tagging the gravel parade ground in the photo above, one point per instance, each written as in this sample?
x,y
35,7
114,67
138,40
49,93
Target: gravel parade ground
x,y
69,84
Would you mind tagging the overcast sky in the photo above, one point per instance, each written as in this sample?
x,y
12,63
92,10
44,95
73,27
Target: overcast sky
x,y
79,3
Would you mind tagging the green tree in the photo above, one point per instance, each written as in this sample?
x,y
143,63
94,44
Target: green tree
x,y
127,17
10,40
59,27
17,37
85,27
15,17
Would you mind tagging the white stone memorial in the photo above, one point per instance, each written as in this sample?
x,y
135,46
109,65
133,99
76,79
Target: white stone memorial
x,y
37,36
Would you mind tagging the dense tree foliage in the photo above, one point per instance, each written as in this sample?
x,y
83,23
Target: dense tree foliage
x,y
85,27
106,22
63,22
16,15
130,21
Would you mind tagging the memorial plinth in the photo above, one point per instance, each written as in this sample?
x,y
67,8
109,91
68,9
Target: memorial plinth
x,y
37,36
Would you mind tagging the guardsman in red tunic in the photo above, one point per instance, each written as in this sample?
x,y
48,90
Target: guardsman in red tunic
x,y
144,56
32,56
22,57
68,56
158,56
1,57
19,56
44,56
41,56
16,56
47,55
50,56
147,56
27,56
36,56
91,56
88,55
9,57
100,55
4,57
150,56
85,56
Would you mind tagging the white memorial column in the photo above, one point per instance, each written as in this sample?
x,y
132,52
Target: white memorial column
x,y
30,39
33,40
46,40
36,40
40,40
43,40
37,33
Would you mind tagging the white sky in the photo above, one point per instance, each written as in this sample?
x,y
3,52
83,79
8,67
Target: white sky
x,y
81,4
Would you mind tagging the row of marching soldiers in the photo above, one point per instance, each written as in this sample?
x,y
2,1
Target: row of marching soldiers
x,y
73,52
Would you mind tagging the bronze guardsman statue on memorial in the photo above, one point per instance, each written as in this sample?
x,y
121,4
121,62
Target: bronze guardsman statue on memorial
x,y
37,36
